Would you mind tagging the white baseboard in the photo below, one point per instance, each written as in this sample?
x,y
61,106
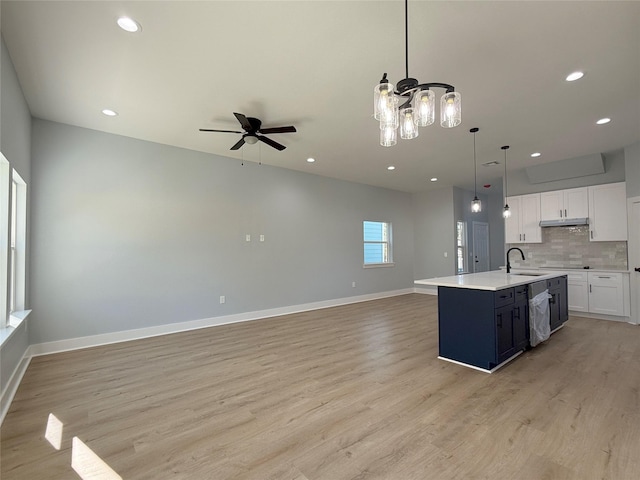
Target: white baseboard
x,y
6,397
128,335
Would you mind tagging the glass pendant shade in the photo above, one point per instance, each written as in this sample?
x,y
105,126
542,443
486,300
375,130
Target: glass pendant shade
x,y
382,98
476,205
450,110
506,213
389,116
424,106
388,136
408,127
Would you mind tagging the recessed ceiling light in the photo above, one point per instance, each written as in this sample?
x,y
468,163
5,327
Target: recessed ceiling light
x,y
391,167
129,24
572,77
434,179
311,160
109,113
602,121
536,154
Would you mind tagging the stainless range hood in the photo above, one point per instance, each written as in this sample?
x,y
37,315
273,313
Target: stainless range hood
x,y
565,222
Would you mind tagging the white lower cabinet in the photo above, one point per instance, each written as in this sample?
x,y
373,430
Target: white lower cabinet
x,y
607,294
578,291
604,293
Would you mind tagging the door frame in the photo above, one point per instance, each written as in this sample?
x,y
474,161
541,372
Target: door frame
x,y
633,249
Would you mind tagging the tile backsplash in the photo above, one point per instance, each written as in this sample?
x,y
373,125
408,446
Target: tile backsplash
x,y
570,247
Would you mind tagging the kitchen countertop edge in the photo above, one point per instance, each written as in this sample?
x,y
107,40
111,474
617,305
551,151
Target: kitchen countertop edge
x,y
493,281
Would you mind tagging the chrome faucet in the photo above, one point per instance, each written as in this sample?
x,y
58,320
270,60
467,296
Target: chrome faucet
x,y
509,264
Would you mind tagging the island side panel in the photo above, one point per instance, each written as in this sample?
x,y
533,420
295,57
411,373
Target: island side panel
x,y
466,322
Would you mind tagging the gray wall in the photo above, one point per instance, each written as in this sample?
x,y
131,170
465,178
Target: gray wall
x,y
632,167
15,141
434,227
614,164
130,234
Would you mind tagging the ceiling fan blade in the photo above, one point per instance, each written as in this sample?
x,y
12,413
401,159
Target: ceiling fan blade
x,y
223,131
289,129
238,144
271,143
244,121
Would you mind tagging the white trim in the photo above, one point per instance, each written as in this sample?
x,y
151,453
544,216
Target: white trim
x,y
633,246
6,397
426,290
129,335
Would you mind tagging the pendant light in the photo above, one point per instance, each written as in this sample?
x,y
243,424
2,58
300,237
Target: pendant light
x,y
476,205
413,104
506,212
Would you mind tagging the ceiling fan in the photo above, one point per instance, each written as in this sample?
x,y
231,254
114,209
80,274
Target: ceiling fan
x,y
253,132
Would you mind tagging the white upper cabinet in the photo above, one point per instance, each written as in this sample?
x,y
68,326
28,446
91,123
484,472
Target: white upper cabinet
x,y
524,224
563,204
608,212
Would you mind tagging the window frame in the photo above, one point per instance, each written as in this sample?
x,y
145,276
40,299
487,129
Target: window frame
x,y
461,247
386,242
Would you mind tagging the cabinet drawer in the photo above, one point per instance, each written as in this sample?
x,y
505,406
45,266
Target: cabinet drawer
x,y
554,282
606,279
577,277
521,293
504,297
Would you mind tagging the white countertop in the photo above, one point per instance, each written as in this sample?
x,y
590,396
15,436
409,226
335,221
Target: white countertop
x,y
494,280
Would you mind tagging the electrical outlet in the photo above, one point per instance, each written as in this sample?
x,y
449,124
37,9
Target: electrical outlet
x,y
247,237
446,254
222,299
353,284
262,238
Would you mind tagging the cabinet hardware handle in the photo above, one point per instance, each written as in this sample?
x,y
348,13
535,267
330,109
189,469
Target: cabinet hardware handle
x,y
500,320
524,237
637,269
565,213
589,288
560,213
599,276
591,231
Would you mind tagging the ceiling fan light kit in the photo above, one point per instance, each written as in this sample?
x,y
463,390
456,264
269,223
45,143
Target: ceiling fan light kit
x,y
253,132
412,104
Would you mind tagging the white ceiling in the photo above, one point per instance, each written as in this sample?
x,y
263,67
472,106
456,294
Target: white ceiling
x,y
314,65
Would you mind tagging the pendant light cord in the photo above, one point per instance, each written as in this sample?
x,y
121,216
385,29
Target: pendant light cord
x,y
406,38
505,175
475,167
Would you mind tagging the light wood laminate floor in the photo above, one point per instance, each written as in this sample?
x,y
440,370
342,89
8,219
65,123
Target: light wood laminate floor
x,y
351,392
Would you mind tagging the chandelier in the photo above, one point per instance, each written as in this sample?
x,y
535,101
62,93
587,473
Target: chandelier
x,y
412,104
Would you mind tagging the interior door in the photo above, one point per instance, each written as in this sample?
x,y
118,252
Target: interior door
x,y
634,256
480,247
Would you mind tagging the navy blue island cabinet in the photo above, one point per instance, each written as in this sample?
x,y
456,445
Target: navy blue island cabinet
x,y
483,328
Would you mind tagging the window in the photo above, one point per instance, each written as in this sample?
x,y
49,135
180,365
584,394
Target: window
x,y
17,243
5,182
377,243
461,247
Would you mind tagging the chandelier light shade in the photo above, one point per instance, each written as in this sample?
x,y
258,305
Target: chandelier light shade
x,y
450,112
408,127
424,106
506,211
382,96
476,204
412,101
388,136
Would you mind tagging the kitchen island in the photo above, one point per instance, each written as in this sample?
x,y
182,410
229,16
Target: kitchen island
x,y
483,318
